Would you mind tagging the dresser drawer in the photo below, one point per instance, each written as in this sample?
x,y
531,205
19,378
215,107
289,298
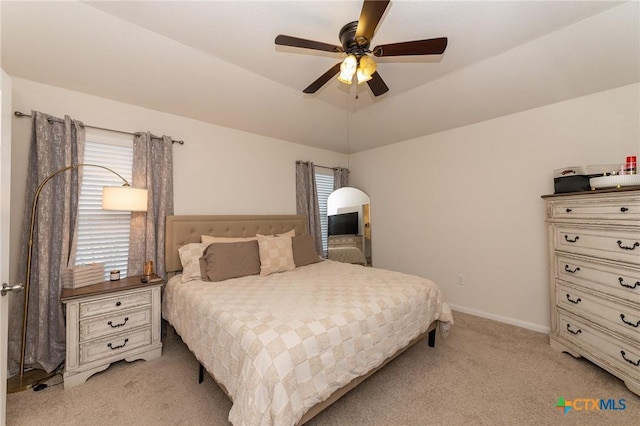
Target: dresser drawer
x,y
623,282
109,324
614,244
115,303
607,209
113,345
620,317
620,354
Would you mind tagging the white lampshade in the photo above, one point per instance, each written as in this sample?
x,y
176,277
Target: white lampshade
x,y
366,68
124,198
348,69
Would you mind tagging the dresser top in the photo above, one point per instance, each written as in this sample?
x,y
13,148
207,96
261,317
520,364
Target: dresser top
x,y
594,192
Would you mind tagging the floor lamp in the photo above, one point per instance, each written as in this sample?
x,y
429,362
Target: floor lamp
x,y
123,198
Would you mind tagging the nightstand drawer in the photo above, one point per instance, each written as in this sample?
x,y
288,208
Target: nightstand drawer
x,y
115,323
115,303
107,347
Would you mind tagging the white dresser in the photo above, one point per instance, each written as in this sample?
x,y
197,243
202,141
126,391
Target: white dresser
x,y
594,277
109,322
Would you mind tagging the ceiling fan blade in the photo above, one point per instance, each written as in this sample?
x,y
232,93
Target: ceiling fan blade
x,y
433,46
323,79
285,40
372,11
377,84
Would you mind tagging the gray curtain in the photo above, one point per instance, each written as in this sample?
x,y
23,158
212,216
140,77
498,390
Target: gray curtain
x,y
55,144
340,177
307,200
153,170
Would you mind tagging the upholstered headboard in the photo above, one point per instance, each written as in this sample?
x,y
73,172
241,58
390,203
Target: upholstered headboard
x,y
184,229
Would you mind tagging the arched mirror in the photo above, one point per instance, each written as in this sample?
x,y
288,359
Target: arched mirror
x,y
349,226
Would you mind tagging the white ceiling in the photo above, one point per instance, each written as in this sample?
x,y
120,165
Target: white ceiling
x,y
216,61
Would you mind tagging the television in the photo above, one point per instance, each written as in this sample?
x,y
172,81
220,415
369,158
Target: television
x,y
343,224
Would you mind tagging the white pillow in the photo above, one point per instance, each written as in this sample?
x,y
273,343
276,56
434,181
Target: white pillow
x,y
190,255
276,254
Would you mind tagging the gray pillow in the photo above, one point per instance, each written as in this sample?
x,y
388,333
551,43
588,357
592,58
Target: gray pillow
x,y
304,250
221,261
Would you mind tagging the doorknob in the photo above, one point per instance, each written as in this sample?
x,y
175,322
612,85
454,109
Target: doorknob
x,y
7,288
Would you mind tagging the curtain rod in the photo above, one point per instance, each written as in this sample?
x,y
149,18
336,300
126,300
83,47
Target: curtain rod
x,y
22,114
323,167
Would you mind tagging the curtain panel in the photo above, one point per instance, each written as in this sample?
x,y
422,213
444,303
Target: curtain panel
x,y
307,200
340,177
55,144
153,170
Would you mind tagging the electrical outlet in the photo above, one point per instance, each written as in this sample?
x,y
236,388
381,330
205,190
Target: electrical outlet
x,y
460,279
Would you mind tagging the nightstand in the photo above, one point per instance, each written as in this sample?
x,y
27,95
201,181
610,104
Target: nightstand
x,y
109,322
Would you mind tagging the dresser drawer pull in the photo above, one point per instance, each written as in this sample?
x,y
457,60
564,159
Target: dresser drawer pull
x,y
118,303
569,240
637,324
628,285
571,331
113,348
624,209
118,325
636,244
578,300
569,210
636,363
566,269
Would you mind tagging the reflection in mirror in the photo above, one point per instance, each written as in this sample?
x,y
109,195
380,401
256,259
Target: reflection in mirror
x,y
349,229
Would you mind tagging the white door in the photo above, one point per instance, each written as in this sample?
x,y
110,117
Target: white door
x,y
5,186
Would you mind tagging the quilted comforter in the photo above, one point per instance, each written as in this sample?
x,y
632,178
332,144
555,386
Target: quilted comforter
x,y
283,343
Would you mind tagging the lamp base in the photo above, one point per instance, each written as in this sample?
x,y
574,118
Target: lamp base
x,y
18,383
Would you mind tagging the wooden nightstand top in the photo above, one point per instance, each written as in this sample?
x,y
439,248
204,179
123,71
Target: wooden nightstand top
x,y
107,287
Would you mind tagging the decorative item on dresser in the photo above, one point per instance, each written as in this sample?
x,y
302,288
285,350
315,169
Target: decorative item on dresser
x,y
594,277
109,322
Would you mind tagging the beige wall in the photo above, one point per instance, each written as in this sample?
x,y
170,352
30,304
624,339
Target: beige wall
x,y
467,201
217,171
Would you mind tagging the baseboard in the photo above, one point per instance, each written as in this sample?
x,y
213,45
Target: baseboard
x,y
524,324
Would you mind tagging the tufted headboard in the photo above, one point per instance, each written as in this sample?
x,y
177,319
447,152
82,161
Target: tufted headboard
x,y
184,229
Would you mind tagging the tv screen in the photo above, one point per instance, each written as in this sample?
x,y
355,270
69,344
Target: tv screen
x,y
343,224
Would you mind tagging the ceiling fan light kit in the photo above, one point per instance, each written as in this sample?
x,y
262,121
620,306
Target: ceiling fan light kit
x,y
355,38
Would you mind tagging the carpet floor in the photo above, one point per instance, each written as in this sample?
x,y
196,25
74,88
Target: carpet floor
x,y
484,373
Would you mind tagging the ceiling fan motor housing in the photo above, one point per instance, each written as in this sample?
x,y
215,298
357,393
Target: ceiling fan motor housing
x,y
349,42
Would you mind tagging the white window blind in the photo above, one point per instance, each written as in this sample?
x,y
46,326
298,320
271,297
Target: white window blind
x,y
103,236
324,185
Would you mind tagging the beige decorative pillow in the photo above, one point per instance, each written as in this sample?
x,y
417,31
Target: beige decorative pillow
x,y
190,258
304,250
209,239
276,254
291,233
221,261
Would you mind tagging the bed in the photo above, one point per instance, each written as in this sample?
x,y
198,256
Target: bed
x,y
285,345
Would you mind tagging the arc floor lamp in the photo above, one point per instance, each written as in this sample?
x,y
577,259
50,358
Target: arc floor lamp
x,y
123,198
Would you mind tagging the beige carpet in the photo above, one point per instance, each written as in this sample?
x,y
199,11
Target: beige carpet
x,y
484,373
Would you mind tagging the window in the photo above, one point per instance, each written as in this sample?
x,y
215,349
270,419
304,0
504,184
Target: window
x,y
324,184
103,236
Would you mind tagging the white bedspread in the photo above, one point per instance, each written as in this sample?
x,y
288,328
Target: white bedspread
x,y
283,343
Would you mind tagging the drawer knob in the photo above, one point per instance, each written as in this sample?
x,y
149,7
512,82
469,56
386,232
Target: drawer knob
x,y
569,210
118,303
571,331
113,348
624,209
637,324
621,280
571,271
633,247
575,302
569,240
118,325
636,363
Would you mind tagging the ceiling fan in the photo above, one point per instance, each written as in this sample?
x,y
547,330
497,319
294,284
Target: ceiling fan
x,y
355,38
